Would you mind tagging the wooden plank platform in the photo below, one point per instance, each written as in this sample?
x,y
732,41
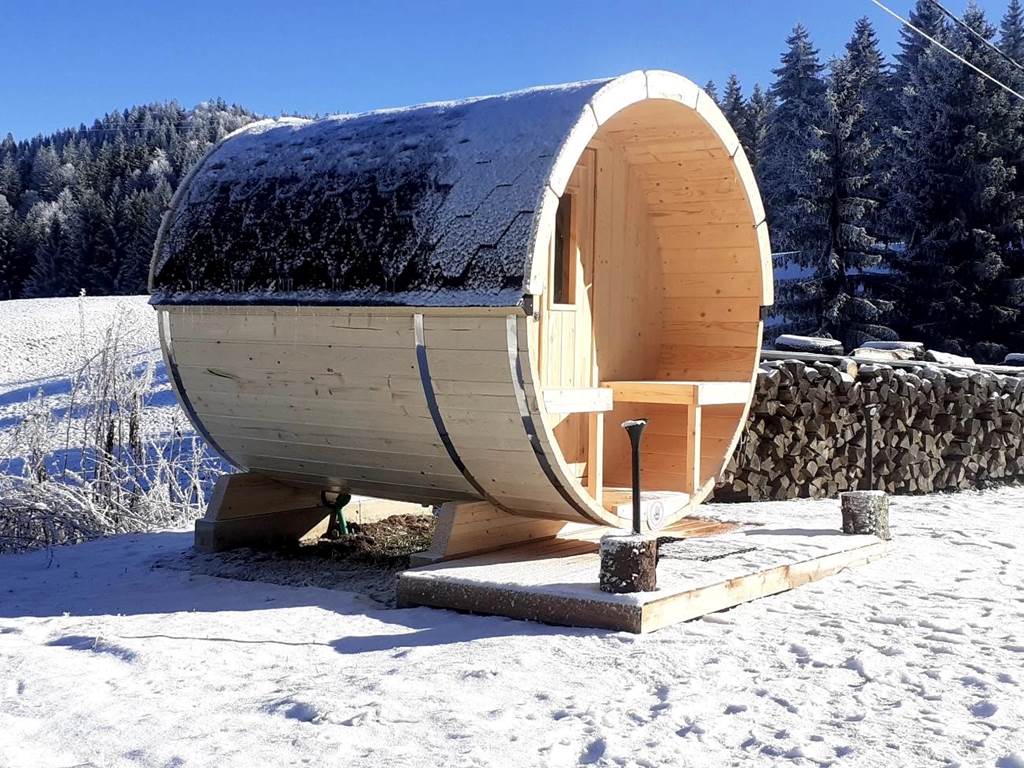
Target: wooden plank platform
x,y
555,581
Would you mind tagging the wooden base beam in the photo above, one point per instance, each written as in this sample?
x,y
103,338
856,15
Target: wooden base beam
x,y
559,585
470,528
251,510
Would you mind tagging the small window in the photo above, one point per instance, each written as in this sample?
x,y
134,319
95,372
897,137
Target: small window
x,y
564,282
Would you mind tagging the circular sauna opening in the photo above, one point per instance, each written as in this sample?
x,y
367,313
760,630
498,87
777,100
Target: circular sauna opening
x,y
654,290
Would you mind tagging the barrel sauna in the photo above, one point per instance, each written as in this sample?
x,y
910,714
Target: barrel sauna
x,y
461,301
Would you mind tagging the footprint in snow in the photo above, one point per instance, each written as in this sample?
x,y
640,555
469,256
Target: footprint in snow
x,y
294,709
95,645
973,681
303,712
786,705
661,694
983,709
690,728
594,752
735,709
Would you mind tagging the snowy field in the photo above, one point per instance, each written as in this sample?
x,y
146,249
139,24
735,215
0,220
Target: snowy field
x,y
125,652
43,339
914,660
44,342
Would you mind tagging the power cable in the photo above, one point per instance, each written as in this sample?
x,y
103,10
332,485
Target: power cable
x,y
955,55
976,34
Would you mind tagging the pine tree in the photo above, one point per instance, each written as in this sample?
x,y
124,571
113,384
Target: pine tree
x,y
55,271
10,178
754,131
792,174
733,105
930,20
960,139
1011,41
1011,33
843,292
711,90
45,176
8,266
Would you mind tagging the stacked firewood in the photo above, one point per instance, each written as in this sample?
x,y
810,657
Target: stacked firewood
x,y
935,429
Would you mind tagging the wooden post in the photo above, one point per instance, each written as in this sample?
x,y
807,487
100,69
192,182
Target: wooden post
x,y
595,457
692,448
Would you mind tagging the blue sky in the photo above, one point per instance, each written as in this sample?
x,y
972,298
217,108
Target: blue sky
x,y
68,62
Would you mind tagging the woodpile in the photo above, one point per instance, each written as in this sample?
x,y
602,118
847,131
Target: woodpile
x,y
936,429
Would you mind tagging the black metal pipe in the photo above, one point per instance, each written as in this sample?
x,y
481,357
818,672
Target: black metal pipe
x,y
869,438
635,429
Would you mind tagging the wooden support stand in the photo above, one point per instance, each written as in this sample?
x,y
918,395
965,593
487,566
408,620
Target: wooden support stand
x,y
866,512
628,564
250,510
469,528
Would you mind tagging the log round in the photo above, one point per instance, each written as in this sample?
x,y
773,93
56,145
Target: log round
x,y
447,302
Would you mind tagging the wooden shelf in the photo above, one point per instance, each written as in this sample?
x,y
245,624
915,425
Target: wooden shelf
x,y
680,392
577,399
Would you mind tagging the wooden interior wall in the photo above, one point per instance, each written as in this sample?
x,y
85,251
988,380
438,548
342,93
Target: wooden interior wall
x,y
628,306
708,292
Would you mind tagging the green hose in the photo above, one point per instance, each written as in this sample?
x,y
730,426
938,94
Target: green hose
x,y
339,510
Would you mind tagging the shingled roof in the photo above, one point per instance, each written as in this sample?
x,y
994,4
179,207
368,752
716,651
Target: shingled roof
x,y
434,205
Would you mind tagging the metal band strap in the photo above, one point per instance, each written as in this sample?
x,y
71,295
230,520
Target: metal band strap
x,y
516,369
435,413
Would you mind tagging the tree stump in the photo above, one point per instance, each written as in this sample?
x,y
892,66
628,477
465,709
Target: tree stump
x,y
628,563
866,512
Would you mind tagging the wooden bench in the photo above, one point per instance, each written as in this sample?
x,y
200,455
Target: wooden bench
x,y
691,395
597,401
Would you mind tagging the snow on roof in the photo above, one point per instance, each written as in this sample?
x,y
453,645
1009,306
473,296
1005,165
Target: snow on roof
x,y
426,205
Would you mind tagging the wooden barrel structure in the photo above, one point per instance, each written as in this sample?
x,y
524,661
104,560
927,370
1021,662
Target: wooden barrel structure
x,y
461,301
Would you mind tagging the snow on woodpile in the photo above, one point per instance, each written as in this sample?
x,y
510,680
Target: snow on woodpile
x,y
915,347
789,342
429,205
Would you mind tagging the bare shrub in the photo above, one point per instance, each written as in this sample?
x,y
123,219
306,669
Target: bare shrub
x,y
86,461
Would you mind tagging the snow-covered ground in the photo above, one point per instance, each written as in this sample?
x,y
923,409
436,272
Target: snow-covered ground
x,y
44,342
914,660
44,339
123,651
